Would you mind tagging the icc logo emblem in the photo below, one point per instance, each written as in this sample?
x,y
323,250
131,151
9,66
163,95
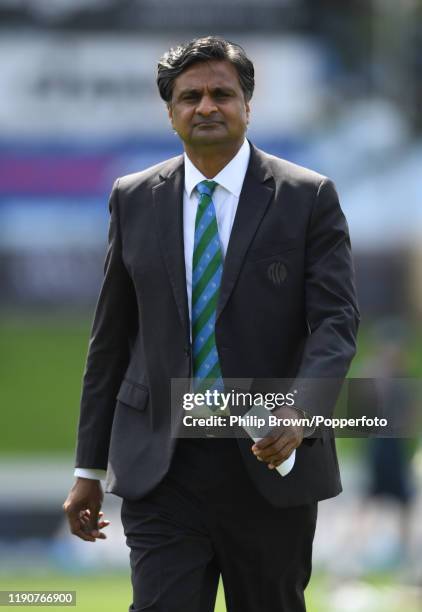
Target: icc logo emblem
x,y
277,273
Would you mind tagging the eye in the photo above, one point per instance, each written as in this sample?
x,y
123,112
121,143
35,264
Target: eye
x,y
190,96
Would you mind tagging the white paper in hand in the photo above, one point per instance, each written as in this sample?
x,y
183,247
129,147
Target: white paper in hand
x,y
256,414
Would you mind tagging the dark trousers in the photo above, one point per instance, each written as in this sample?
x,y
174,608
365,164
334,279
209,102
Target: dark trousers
x,y
206,518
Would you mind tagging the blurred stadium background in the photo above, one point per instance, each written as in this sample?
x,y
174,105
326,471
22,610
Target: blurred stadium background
x,y
339,90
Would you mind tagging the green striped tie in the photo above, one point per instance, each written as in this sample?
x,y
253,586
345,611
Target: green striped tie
x,y
207,270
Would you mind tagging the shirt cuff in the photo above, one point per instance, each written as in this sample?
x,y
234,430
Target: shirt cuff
x,y
90,473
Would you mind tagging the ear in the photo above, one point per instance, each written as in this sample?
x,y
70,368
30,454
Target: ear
x,y
170,113
248,111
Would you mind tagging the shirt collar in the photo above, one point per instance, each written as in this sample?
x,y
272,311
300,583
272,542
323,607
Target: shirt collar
x,y
231,177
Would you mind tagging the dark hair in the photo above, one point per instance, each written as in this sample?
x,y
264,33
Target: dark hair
x,y
177,59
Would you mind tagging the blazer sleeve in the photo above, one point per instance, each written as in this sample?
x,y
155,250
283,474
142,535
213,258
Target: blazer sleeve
x,y
108,355
331,305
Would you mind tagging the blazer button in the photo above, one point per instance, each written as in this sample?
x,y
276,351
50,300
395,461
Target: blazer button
x,y
187,351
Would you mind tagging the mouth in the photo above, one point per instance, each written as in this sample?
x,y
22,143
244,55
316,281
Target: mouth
x,y
208,123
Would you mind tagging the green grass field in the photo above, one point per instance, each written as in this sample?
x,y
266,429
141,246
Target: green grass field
x,y
112,593
42,364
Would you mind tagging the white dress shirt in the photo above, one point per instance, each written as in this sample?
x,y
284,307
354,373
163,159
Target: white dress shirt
x,y
225,198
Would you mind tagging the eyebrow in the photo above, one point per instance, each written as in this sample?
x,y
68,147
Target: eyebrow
x,y
193,90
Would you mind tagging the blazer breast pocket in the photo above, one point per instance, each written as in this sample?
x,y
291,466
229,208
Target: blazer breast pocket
x,y
269,251
133,394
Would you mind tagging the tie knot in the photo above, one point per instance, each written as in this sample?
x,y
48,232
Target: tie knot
x,y
206,187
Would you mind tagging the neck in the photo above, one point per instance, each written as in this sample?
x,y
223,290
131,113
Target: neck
x,y
210,161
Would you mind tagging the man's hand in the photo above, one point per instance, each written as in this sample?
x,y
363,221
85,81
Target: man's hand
x,y
82,508
277,446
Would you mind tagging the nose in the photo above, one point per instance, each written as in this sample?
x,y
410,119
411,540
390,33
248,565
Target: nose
x,y
206,106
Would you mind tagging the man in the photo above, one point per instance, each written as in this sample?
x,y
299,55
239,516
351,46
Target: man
x,y
278,303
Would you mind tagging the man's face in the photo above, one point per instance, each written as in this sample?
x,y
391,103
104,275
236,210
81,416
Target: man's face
x,y
208,106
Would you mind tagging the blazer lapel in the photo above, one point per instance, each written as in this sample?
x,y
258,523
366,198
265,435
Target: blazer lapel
x,y
168,208
255,196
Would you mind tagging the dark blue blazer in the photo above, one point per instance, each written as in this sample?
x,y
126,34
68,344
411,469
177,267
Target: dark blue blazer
x,y
287,309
